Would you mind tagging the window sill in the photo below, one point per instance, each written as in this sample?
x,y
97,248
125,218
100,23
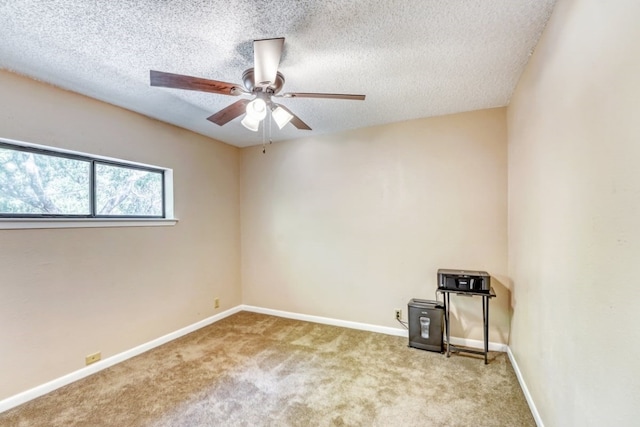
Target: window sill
x,y
25,223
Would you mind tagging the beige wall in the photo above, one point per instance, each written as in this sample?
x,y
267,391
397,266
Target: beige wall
x,y
351,226
66,293
574,216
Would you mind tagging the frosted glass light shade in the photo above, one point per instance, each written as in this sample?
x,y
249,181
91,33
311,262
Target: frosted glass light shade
x,y
281,117
257,109
250,123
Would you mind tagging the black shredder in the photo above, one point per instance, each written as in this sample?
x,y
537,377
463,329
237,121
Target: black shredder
x,y
426,322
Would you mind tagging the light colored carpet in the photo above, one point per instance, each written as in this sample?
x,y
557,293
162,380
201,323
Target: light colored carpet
x,y
257,370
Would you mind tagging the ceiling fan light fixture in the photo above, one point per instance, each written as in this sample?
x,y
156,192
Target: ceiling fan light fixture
x,y
257,109
250,123
281,116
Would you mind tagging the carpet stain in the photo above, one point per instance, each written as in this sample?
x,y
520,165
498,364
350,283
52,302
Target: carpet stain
x,y
257,370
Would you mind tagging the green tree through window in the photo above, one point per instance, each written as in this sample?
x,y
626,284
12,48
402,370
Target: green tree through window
x,y
127,191
33,183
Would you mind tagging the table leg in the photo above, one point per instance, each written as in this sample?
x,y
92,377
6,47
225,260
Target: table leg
x,y
446,322
485,315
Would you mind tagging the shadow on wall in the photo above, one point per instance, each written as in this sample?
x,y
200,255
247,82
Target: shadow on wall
x,y
466,314
504,295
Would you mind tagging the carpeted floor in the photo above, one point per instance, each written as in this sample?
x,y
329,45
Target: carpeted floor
x,y
257,370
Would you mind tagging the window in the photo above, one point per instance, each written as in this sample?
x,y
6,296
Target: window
x,y
41,182
128,191
33,184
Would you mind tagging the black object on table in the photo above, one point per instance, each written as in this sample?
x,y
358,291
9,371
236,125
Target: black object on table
x,y
486,295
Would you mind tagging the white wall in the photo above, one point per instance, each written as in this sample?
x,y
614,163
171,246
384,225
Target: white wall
x,y
66,293
574,216
353,225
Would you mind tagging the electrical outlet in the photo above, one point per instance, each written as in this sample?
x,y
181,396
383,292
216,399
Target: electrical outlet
x,y
92,358
216,303
398,314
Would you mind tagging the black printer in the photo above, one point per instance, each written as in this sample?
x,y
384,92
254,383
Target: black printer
x,y
464,280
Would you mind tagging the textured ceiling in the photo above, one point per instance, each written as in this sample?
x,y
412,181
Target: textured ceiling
x,y
410,58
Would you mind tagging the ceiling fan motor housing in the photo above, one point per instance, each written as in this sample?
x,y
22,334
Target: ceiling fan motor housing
x,y
248,82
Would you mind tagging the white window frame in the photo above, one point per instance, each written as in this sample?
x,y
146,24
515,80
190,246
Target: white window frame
x,y
65,222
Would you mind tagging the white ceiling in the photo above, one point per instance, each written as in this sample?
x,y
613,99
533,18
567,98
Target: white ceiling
x,y
411,59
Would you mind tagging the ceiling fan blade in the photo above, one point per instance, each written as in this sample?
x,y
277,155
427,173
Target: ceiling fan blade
x,y
323,95
266,58
229,113
295,120
180,81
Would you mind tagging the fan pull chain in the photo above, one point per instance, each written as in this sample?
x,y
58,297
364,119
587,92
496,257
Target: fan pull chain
x,y
270,121
264,150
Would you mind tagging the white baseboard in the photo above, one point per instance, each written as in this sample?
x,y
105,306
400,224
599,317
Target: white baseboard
x,y
327,321
25,396
52,385
467,342
525,389
401,332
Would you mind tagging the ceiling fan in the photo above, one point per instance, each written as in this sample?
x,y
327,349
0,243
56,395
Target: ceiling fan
x,y
262,82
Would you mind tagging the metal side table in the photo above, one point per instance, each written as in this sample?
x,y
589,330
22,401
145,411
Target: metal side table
x,y
486,296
